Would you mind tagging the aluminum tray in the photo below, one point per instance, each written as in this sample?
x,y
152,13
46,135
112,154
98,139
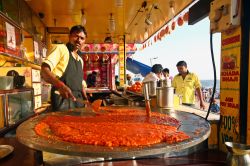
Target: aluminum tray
x,y
195,126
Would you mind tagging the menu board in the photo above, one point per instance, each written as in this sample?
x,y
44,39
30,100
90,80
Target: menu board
x,y
230,87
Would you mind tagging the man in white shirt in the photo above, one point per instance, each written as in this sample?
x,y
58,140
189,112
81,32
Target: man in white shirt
x,y
155,74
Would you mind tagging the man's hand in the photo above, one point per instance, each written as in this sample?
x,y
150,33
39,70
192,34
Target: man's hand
x,y
66,93
202,105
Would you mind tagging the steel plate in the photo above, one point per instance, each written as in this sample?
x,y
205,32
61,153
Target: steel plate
x,y
196,127
5,150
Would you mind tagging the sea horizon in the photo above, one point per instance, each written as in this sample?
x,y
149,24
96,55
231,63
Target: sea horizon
x,y
209,83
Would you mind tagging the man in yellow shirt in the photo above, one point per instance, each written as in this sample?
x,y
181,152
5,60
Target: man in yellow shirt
x,y
185,84
63,68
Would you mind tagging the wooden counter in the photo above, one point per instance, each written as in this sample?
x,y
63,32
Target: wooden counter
x,y
24,156
21,156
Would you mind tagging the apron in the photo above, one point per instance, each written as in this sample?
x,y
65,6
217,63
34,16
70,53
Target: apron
x,y
72,77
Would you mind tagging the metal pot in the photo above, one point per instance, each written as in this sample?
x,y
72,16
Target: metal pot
x,y
151,87
238,154
165,83
165,97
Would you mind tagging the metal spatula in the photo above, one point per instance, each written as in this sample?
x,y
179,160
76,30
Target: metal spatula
x,y
94,106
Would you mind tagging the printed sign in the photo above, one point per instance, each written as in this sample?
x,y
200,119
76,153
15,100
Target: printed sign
x,y
11,37
230,87
44,52
36,50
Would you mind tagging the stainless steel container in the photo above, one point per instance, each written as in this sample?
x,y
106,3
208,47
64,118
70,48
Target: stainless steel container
x,y
165,97
238,154
151,87
165,83
6,82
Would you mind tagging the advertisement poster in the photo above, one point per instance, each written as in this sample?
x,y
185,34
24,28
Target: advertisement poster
x,y
36,50
44,52
11,37
230,87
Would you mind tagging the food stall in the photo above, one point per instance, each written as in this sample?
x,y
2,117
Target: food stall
x,y
123,24
102,59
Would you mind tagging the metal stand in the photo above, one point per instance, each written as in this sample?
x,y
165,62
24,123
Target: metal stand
x,y
38,158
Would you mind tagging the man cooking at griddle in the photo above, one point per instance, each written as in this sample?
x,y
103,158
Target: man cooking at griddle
x,y
63,68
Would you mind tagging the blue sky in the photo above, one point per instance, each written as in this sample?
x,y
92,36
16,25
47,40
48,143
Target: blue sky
x,y
188,42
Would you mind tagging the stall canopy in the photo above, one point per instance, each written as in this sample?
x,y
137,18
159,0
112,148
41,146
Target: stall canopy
x,y
137,67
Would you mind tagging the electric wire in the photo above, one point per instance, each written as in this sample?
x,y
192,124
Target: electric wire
x,y
214,69
132,20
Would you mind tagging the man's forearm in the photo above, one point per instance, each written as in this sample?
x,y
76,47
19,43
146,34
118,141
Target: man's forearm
x,y
198,90
48,76
84,93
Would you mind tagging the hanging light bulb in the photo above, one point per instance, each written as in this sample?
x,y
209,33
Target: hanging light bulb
x,y
111,23
147,20
171,9
146,34
83,18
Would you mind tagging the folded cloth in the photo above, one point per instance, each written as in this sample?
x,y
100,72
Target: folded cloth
x,y
151,77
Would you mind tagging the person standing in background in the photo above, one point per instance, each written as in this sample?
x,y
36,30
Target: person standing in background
x,y
117,82
185,84
91,79
63,68
155,74
215,107
130,81
167,78
166,73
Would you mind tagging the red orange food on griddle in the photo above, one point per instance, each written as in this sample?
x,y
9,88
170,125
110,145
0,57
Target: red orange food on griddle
x,y
126,127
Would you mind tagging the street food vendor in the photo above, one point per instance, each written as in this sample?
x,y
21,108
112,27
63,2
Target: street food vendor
x,y
155,74
186,83
63,68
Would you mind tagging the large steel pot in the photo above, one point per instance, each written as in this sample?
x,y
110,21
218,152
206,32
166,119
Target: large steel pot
x,y
151,87
165,97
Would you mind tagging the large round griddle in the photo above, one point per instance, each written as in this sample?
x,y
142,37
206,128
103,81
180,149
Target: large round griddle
x,y
196,127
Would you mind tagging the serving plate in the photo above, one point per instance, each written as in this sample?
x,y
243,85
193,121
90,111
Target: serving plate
x,y
5,150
